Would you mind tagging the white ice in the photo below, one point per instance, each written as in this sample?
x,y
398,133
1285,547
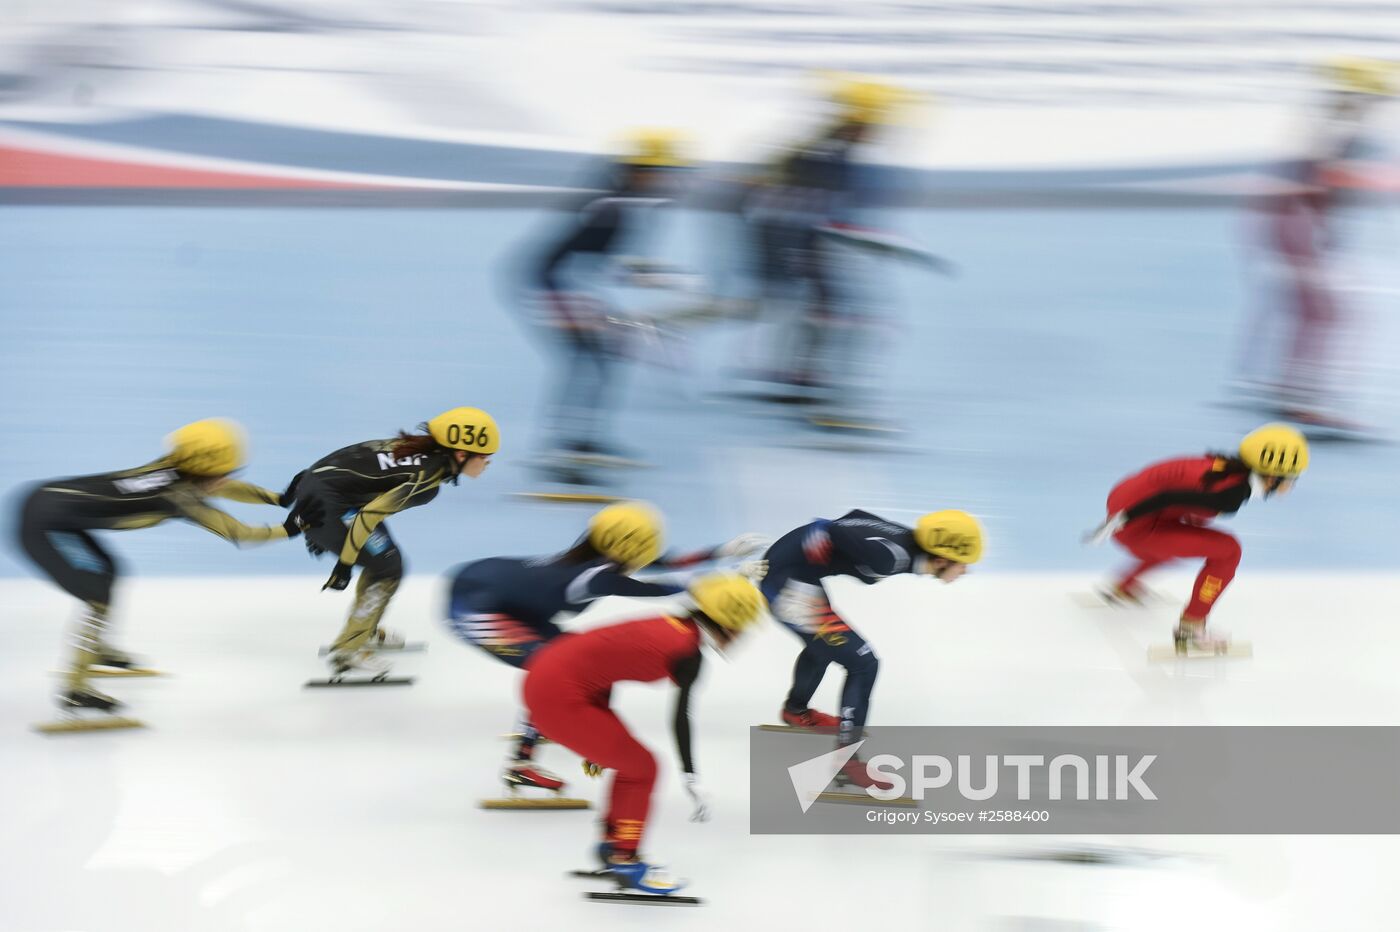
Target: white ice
x,y
252,804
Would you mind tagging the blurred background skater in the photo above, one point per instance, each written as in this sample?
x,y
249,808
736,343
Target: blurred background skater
x,y
943,544
606,242
57,518
804,216
1299,355
568,692
510,607
1163,514
357,488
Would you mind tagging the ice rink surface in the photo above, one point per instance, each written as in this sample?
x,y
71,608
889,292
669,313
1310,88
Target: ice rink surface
x,y
253,804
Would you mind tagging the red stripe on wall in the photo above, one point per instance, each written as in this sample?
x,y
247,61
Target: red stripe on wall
x,y
29,168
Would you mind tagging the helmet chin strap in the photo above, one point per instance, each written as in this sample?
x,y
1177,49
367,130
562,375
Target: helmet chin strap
x,y
1269,486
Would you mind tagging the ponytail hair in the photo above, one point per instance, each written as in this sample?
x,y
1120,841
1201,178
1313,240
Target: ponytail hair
x,y
406,444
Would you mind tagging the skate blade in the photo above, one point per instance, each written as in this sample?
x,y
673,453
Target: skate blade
x,y
410,647
362,681
1095,600
1163,654
571,498
602,461
864,799
838,423
797,730
848,443
73,725
653,899
546,802
124,671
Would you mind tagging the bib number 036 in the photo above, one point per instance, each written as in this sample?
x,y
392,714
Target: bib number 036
x,y
468,434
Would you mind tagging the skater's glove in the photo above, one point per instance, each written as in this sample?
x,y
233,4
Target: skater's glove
x,y
753,570
340,576
592,769
290,495
1103,532
743,546
308,515
699,799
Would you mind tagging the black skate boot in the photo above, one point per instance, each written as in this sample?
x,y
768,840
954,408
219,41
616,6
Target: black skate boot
x,y
73,700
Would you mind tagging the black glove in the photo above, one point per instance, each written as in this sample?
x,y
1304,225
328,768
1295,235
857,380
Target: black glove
x,y
340,576
305,515
290,495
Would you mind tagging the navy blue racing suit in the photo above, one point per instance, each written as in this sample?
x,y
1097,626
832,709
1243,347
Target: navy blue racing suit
x,y
507,605
856,544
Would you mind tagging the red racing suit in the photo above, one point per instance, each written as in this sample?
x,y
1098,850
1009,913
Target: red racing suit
x,y
568,684
1167,508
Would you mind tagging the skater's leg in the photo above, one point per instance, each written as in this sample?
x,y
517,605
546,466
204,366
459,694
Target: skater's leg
x,y
502,636
862,666
1139,539
381,569
1179,541
1222,552
81,567
837,642
803,609
591,729
807,674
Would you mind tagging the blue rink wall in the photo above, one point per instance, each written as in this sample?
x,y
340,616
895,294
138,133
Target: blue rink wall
x,y
1075,346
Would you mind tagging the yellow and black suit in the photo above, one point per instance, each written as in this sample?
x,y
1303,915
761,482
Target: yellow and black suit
x,y
357,488
57,518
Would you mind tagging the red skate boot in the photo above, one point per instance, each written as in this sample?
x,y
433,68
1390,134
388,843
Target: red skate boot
x,y
811,720
524,773
855,773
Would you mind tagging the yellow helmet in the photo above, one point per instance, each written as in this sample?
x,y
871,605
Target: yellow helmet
x,y
470,429
728,599
211,447
1362,75
1275,450
863,100
953,535
628,533
656,148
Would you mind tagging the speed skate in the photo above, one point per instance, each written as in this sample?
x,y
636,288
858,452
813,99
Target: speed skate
x,y
85,710
626,895
524,774
1166,653
73,723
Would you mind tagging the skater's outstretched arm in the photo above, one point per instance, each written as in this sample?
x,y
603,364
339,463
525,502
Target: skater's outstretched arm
x,y
685,672
236,491
744,545
606,580
879,554
231,529
373,514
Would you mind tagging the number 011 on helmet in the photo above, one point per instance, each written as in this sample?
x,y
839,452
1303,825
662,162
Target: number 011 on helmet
x,y
1275,450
